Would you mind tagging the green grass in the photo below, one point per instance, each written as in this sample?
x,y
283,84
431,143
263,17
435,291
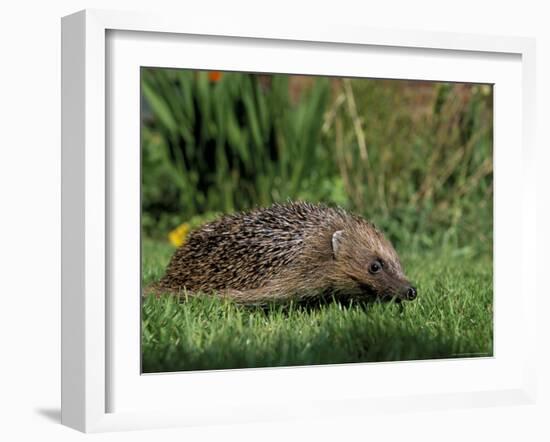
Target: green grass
x,y
452,317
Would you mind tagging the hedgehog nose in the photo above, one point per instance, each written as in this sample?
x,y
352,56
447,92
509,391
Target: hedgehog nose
x,y
411,293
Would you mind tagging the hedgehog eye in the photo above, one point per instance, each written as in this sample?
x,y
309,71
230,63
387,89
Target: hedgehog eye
x,y
375,267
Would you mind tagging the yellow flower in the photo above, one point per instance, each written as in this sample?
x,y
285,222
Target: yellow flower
x,y
178,235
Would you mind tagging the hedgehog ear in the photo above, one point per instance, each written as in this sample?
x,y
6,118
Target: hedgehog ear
x,y
336,242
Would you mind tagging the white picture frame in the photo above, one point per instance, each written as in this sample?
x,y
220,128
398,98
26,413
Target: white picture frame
x,y
93,187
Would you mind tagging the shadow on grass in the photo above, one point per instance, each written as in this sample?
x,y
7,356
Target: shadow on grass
x,y
317,304
355,340
400,349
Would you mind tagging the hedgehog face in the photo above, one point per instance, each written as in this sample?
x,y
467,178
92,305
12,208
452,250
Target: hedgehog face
x,y
366,264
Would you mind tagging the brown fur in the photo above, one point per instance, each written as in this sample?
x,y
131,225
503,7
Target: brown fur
x,y
288,251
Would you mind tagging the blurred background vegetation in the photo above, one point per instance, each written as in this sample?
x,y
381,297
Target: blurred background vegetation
x,y
413,156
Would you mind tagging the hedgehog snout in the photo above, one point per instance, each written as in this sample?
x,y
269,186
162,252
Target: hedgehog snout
x,y
409,293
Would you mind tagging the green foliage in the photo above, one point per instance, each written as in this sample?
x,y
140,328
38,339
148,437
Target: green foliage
x,y
414,157
426,172
452,317
229,145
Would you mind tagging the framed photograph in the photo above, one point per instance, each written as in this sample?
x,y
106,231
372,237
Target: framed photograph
x,y
264,223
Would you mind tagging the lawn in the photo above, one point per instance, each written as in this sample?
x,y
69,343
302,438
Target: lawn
x,y
452,317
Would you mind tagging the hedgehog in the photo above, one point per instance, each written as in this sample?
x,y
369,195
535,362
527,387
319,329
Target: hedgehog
x,y
293,251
